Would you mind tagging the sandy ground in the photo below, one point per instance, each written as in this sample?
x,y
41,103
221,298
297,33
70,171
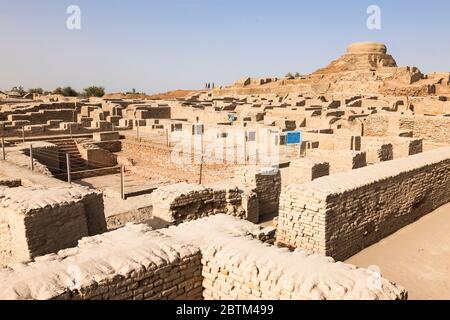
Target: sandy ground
x,y
416,257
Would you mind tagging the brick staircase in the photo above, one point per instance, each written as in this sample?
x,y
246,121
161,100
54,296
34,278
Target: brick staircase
x,y
79,167
77,163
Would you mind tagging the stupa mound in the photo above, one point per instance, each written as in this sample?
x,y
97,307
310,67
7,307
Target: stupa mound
x,y
361,56
367,47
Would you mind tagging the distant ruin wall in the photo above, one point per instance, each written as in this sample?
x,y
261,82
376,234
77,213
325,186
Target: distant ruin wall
x,y
431,128
436,129
211,258
339,160
340,215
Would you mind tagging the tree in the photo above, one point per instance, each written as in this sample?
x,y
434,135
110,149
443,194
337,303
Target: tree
x,y
66,92
94,91
298,75
19,90
289,75
134,91
36,90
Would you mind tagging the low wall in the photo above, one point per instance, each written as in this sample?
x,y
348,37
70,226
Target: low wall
x,y
213,258
404,147
431,128
436,129
265,182
377,150
35,221
182,202
130,263
340,215
339,160
306,170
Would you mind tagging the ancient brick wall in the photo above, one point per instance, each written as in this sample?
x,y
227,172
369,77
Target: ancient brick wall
x,y
431,128
404,147
35,221
436,129
265,182
340,215
339,160
213,258
306,170
256,271
131,263
377,150
182,202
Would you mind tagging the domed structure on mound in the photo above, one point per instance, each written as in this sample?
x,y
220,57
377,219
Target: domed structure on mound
x,y
362,56
367,47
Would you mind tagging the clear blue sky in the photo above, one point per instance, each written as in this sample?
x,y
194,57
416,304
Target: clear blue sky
x,y
155,46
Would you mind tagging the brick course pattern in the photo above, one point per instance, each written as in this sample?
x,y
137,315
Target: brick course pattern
x,y
182,202
35,220
265,182
340,215
213,258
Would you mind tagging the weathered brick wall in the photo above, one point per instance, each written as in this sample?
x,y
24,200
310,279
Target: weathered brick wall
x,y
43,116
377,150
376,125
213,258
35,221
431,128
404,147
36,107
256,272
182,202
306,170
436,129
339,160
237,266
340,215
265,182
130,263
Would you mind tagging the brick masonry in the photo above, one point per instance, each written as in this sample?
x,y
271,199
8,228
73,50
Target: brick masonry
x,y
340,215
213,258
35,221
265,182
182,202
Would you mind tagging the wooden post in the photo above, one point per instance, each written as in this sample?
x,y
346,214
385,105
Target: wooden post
x,y
137,131
245,147
167,138
122,182
31,157
23,133
3,149
201,162
201,170
69,174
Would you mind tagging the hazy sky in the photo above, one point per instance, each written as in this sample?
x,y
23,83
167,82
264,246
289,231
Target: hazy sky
x,y
155,46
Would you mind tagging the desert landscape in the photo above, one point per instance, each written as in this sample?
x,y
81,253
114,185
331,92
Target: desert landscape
x,y
333,185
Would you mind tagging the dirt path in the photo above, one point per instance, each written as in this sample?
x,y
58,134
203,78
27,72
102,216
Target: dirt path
x,y
417,257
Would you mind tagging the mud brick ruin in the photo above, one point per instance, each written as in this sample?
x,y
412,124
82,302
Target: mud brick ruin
x,y
205,194
339,215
